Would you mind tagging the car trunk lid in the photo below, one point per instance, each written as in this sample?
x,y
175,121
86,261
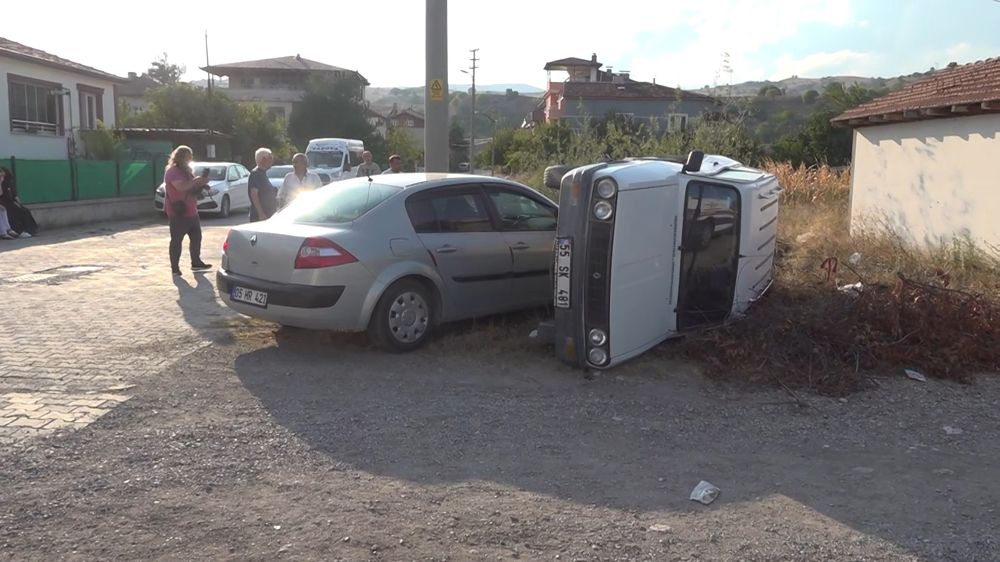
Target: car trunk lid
x,y
267,250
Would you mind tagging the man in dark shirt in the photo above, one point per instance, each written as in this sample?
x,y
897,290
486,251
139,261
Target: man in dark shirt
x,y
263,195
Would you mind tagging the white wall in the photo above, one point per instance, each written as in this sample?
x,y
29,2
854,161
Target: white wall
x,y
932,180
23,145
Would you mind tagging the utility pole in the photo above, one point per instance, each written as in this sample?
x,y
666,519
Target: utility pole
x,y
436,89
207,63
472,114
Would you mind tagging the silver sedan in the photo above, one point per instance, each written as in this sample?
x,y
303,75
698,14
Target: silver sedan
x,y
394,256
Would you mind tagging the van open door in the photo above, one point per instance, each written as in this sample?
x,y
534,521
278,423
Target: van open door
x,y
709,252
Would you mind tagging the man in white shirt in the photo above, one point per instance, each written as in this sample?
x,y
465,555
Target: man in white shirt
x,y
367,167
299,180
395,165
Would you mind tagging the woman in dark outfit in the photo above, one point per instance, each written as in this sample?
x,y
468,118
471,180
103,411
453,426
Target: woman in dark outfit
x,y
19,216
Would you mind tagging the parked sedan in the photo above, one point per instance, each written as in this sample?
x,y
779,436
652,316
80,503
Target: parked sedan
x,y
395,257
227,188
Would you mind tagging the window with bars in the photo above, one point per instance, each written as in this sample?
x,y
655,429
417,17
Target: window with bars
x,y
35,107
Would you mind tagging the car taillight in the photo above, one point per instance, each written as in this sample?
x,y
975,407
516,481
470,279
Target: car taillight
x,y
225,245
320,252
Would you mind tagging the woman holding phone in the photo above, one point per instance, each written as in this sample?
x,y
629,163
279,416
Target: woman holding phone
x,y
181,206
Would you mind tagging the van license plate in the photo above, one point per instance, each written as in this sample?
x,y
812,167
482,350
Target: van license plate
x,y
250,296
564,256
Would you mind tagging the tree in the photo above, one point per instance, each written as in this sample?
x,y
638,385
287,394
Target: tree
x,y
402,143
330,108
254,127
164,72
810,97
770,91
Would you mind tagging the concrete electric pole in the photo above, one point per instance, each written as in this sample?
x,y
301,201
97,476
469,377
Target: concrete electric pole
x,y
436,90
472,114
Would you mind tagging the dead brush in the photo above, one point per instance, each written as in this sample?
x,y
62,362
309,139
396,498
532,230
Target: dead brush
x,y
936,311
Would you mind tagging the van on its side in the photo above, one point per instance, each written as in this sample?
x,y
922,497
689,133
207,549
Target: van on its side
x,y
335,157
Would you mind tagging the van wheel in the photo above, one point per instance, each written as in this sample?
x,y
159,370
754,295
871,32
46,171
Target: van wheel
x,y
553,176
224,209
403,318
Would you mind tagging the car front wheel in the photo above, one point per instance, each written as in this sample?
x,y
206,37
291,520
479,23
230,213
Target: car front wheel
x,y
403,318
224,208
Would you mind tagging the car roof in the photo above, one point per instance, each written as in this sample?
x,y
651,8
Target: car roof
x,y
415,181
214,163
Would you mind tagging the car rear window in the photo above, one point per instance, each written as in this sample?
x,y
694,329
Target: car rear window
x,y
339,202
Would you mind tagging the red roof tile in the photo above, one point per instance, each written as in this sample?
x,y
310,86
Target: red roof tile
x,y
967,84
24,52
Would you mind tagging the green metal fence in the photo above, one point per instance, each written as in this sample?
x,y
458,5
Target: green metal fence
x,y
53,181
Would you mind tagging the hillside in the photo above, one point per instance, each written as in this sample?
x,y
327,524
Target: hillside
x,y
797,86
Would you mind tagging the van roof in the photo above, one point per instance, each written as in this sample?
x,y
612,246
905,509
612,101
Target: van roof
x,y
336,141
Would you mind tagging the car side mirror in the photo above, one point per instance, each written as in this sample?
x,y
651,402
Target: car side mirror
x,y
694,160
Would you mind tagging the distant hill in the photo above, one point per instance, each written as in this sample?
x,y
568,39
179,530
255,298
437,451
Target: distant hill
x,y
523,89
796,86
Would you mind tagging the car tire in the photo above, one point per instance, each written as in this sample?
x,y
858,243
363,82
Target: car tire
x,y
403,318
224,208
553,175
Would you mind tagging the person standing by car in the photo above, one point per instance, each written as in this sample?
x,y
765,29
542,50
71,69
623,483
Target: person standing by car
x,y
367,167
298,181
395,165
180,204
263,195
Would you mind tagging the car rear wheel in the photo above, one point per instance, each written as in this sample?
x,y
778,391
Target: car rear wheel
x,y
403,318
224,208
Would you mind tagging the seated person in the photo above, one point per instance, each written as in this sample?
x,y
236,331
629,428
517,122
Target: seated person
x,y
18,215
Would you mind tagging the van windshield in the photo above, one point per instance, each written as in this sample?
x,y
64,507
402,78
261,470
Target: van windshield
x,y
325,158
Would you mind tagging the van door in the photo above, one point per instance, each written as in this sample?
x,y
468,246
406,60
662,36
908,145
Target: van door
x,y
710,252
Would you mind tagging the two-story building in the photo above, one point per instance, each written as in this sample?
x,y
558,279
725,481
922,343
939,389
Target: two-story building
x,y
45,100
278,83
410,119
589,92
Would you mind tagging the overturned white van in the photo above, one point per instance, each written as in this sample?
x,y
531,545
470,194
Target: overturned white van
x,y
648,248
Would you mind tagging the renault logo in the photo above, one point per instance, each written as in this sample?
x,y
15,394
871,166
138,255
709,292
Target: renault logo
x,y
253,240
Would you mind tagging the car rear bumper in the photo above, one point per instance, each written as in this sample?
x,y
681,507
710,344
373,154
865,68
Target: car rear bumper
x,y
303,306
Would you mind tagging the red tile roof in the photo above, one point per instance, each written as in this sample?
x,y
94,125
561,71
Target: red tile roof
x,y
17,50
571,61
973,83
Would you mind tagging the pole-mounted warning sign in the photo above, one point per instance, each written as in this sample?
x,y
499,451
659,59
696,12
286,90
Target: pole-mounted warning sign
x,y
437,90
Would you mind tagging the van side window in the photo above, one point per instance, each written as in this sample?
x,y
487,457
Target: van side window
x,y
449,212
355,158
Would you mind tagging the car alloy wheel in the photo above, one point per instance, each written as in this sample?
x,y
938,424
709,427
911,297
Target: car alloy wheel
x,y
224,209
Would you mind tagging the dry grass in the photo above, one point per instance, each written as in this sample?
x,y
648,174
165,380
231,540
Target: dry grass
x,y
937,311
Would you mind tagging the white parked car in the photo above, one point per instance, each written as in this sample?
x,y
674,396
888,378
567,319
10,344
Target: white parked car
x,y
227,188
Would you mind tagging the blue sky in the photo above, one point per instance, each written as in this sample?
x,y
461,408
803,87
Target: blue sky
x,y
677,42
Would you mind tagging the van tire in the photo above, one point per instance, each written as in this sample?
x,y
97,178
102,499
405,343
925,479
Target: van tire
x,y
553,175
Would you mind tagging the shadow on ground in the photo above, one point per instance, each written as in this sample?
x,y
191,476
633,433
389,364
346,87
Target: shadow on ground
x,y
637,440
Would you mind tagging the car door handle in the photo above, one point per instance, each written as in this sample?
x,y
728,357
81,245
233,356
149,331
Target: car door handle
x,y
520,246
446,249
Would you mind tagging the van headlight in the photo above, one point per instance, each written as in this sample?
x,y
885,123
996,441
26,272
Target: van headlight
x,y
597,356
597,337
603,210
606,188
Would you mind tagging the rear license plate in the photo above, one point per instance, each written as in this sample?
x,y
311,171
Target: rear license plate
x,y
249,296
564,256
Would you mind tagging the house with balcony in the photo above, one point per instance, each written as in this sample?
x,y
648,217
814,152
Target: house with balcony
x,y
278,83
410,119
580,89
45,100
